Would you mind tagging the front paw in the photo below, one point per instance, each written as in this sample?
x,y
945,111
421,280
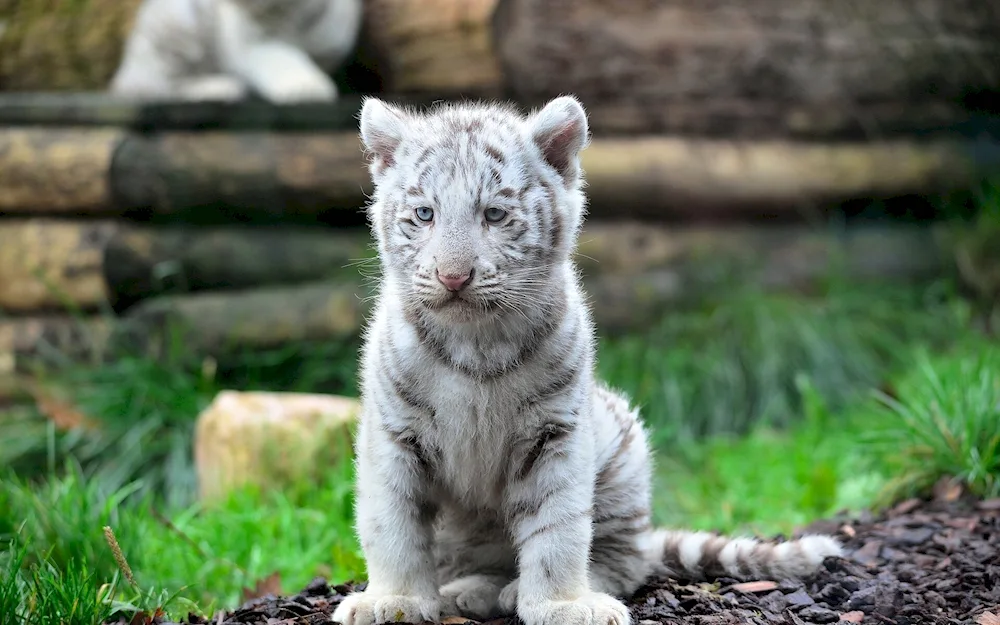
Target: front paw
x,y
590,609
367,608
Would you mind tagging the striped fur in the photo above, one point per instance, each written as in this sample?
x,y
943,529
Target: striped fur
x,y
282,50
494,473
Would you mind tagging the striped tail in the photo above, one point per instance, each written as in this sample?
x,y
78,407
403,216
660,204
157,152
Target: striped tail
x,y
702,556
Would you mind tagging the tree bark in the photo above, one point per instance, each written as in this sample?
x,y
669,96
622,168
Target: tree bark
x,y
48,264
280,177
763,69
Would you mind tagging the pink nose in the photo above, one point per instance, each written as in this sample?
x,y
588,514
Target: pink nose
x,y
454,282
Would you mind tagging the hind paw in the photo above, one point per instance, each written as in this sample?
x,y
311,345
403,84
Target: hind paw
x,y
474,596
508,598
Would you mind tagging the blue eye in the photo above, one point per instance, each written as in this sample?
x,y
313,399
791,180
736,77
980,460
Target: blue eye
x,y
424,213
493,215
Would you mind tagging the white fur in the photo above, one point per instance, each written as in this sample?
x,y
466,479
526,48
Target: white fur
x,y
494,472
219,50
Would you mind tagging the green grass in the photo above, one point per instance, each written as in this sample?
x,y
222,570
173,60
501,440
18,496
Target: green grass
x,y
195,558
146,409
69,595
770,480
942,419
731,368
12,583
38,589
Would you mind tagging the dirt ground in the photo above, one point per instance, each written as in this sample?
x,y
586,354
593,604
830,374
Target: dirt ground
x,y
921,563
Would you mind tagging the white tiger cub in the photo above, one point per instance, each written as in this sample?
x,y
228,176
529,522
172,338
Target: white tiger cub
x,y
283,50
495,475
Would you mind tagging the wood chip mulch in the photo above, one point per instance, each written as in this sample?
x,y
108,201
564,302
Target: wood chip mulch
x,y
921,563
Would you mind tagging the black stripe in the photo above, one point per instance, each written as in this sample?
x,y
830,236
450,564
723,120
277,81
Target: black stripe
x,y
625,517
408,441
548,527
562,380
616,554
551,440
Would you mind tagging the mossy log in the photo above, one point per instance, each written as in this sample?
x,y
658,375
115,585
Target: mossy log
x,y
633,272
213,322
141,262
49,264
271,176
763,69
261,176
689,179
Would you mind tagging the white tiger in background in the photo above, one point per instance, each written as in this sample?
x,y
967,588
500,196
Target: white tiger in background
x,y
282,50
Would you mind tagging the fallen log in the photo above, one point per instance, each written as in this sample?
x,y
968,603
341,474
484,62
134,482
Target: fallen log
x,y
213,322
633,273
141,262
675,178
53,264
270,177
763,69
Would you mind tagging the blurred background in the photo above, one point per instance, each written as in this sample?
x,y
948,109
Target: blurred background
x,y
793,253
